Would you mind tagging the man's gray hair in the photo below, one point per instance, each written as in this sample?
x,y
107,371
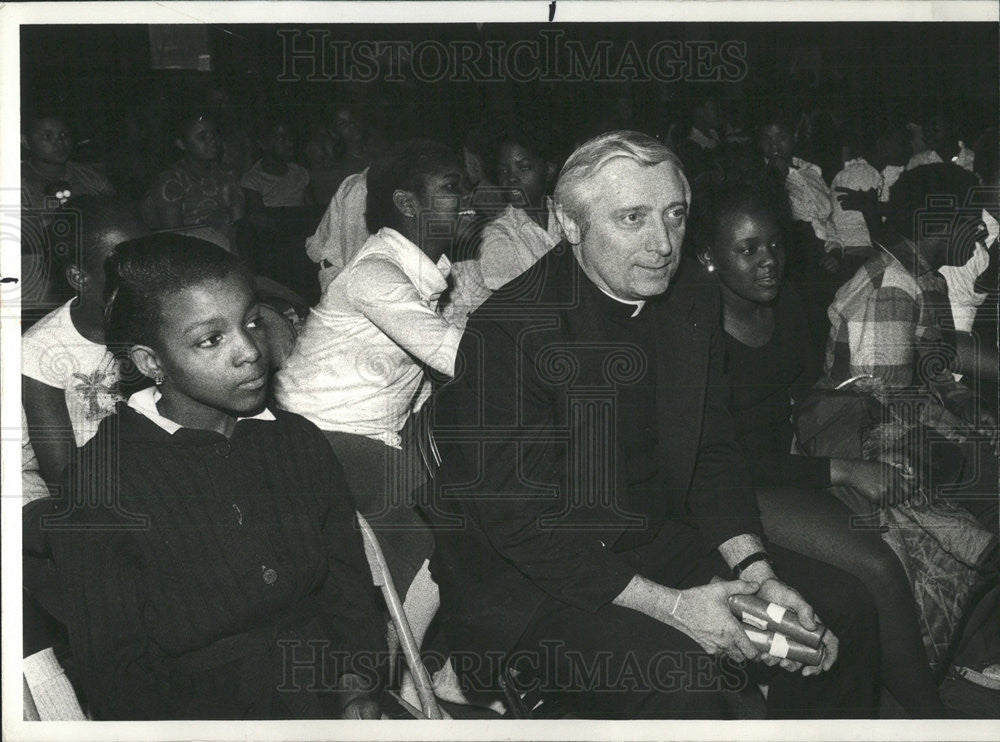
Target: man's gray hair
x,y
594,154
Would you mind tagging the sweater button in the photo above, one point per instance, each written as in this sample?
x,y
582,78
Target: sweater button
x,y
269,575
223,448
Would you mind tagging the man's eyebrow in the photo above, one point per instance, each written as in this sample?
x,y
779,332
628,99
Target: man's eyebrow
x,y
627,209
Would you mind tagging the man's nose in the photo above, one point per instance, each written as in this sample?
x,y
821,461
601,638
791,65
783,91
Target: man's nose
x,y
767,257
665,240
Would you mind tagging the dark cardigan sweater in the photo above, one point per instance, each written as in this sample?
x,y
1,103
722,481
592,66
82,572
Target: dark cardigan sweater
x,y
201,577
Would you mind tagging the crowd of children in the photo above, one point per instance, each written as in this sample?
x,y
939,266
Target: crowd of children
x,y
204,435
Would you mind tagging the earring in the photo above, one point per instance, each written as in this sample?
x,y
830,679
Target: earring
x,y
158,379
710,268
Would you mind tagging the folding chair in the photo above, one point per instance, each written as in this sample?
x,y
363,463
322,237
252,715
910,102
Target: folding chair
x,y
411,652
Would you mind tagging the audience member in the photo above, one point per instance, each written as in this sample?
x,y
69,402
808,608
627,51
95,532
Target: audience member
x,y
527,229
941,145
196,191
274,180
740,238
700,150
886,321
353,153
360,368
619,568
964,298
47,169
222,537
69,378
857,174
808,193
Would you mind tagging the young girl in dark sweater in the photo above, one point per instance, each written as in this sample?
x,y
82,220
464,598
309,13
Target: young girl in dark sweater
x,y
204,556
739,234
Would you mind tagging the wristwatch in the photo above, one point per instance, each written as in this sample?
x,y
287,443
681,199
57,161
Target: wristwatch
x,y
757,556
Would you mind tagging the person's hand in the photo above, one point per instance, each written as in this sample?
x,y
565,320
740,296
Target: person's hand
x,y
703,613
830,262
881,483
775,591
362,707
852,199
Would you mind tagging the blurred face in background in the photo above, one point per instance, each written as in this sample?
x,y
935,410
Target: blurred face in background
x,y
49,141
525,176
201,141
777,144
279,143
347,126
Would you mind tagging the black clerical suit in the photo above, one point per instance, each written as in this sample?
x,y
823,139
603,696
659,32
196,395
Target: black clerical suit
x,y
582,445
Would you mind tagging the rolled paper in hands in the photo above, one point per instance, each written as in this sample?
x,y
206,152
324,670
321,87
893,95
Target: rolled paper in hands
x,y
779,645
763,616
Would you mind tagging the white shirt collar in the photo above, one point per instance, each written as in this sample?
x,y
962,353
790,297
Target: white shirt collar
x,y
144,402
638,304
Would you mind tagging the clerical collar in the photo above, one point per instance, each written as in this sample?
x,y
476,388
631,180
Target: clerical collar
x,y
637,305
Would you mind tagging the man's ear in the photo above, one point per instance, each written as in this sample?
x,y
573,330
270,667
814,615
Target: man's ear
x,y
25,143
179,143
406,203
147,361
76,278
550,171
569,225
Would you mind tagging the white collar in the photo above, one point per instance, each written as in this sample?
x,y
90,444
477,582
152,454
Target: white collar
x,y
638,304
144,402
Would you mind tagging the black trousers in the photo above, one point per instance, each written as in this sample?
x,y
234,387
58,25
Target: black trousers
x,y
619,663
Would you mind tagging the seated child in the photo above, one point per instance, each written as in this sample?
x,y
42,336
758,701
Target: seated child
x,y
223,544
274,180
527,229
69,378
196,191
739,234
887,320
808,194
360,368
48,171
858,174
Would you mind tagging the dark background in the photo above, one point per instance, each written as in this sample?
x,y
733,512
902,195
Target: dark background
x,y
879,74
